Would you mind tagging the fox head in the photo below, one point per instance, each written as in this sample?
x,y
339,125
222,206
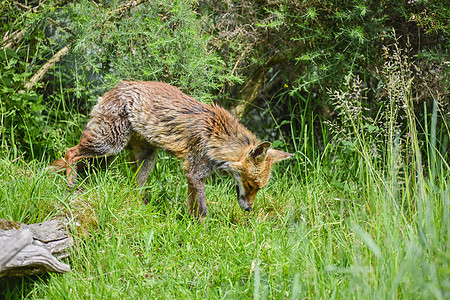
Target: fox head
x,y
252,172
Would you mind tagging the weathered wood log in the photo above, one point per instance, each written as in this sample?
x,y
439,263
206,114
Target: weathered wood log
x,y
33,249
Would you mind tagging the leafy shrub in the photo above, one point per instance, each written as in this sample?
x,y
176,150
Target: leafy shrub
x,y
153,41
21,110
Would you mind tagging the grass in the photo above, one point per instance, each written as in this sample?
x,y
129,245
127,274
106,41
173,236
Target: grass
x,y
343,223
307,237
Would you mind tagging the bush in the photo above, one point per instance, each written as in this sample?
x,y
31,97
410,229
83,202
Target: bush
x,y
160,41
153,41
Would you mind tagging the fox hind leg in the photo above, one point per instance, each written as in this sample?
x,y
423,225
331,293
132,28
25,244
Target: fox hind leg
x,y
102,141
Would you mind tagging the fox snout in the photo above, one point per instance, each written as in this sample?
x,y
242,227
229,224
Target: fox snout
x,y
245,200
244,204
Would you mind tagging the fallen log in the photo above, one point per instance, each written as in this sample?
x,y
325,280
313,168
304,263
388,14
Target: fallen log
x,y
33,249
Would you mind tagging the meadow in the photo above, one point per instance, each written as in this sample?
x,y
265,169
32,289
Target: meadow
x,y
367,217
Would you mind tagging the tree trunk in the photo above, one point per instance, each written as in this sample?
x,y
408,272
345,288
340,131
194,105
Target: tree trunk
x,y
255,83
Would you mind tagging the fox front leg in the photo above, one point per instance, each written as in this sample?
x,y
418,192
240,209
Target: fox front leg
x,y
196,195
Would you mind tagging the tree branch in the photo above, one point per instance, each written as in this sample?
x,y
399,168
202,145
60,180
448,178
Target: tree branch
x,y
127,6
47,66
13,38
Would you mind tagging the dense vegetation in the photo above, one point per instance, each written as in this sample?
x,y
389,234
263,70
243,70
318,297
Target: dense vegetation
x,y
359,90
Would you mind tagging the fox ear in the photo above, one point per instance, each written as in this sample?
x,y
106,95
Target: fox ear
x,y
278,155
259,153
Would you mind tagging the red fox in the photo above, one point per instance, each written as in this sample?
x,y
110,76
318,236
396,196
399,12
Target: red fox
x,y
145,116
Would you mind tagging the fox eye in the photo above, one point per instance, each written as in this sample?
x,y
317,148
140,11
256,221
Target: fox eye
x,y
250,187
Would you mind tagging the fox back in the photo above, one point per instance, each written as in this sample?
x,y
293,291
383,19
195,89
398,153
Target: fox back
x,y
145,116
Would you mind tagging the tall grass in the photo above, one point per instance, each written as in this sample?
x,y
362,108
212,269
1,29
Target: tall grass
x,y
366,218
403,228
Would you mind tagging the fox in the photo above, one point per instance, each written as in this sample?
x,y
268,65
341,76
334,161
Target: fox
x,y
146,116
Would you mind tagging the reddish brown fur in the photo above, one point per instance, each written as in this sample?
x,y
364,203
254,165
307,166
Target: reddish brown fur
x,y
145,116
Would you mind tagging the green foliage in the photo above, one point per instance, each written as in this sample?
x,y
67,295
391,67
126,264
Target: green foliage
x,y
33,122
311,46
21,111
154,41
29,124
347,38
